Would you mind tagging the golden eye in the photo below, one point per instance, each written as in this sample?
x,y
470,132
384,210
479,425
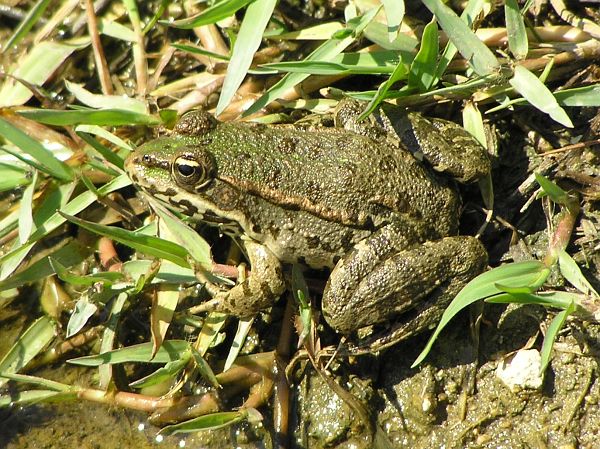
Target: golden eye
x,y
188,171
193,171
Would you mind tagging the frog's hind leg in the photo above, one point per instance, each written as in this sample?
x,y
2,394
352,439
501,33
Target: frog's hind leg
x,y
419,281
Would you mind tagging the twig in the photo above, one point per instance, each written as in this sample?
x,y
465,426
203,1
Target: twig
x,y
99,58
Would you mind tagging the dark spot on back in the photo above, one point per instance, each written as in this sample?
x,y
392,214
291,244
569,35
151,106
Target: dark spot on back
x,y
313,241
287,145
387,164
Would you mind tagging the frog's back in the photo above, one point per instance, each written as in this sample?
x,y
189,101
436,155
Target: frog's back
x,y
335,174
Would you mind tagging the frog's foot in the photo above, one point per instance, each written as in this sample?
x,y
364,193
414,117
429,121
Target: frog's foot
x,y
422,279
255,293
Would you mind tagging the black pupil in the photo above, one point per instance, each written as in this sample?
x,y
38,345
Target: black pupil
x,y
185,170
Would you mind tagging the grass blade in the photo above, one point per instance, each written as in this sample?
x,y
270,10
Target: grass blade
x,y
528,273
537,94
163,308
27,23
206,422
170,351
106,277
515,28
12,177
423,67
552,332
26,224
83,311
248,40
36,68
218,11
48,161
33,340
244,326
394,11
479,56
175,230
147,244
35,397
105,117
324,52
96,101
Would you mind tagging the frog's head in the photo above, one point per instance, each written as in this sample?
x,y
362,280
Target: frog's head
x,y
182,173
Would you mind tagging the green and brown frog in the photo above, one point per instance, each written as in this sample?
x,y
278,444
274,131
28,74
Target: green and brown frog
x,y
356,198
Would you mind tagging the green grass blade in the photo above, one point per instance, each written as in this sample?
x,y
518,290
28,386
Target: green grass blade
x,y
579,96
106,153
27,23
69,255
164,374
116,30
572,273
515,28
106,277
423,67
26,224
30,343
106,117
194,49
82,312
101,132
248,40
512,275
404,44
400,72
169,351
554,192
35,397
320,32
168,272
244,326
324,52
13,258
470,13
48,161
95,101
36,68
180,233
479,56
394,11
552,332
372,63
164,4
12,177
537,94
204,369
219,11
38,381
206,422
147,244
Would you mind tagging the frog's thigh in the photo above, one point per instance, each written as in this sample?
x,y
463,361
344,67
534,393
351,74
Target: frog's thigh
x,y
264,285
413,278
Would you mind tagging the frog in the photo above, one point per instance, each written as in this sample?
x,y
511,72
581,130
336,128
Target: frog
x,y
374,201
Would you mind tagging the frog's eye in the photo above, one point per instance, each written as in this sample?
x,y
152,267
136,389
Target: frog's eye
x,y
191,173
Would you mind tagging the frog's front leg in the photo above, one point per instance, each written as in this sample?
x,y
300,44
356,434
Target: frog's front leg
x,y
255,293
364,289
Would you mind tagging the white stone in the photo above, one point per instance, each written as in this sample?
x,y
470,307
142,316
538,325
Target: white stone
x,y
521,370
